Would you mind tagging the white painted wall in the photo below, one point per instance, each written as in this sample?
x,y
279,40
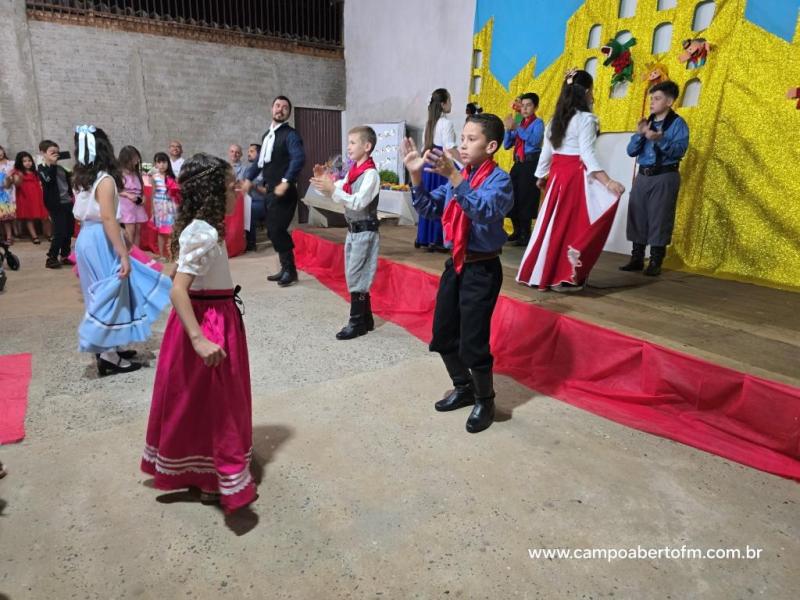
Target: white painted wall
x,y
612,152
397,53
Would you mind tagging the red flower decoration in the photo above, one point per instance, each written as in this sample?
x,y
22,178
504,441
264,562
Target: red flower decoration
x,y
622,61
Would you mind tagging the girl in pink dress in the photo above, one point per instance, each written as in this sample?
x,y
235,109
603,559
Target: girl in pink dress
x,y
200,430
131,198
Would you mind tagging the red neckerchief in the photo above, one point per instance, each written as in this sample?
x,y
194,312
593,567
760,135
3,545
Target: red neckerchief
x,y
355,172
519,143
455,222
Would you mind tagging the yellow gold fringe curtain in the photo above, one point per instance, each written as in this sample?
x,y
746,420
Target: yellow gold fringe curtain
x,y
739,208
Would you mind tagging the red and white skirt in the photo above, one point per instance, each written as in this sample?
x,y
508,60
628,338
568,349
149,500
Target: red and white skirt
x,y
572,227
200,431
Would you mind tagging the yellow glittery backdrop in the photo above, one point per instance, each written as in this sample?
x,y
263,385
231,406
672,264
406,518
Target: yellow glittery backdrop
x,y
739,206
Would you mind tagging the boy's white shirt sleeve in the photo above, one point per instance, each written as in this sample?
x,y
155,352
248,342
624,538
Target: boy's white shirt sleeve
x,y
370,187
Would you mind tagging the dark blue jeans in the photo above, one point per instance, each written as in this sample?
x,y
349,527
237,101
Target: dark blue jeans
x,y
258,214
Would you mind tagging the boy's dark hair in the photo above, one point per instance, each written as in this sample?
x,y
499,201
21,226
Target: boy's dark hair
x,y
256,146
473,109
45,145
18,161
572,99
367,134
84,176
164,157
533,97
491,125
669,88
289,102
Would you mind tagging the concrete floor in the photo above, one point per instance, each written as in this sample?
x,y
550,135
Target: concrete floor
x,y
365,491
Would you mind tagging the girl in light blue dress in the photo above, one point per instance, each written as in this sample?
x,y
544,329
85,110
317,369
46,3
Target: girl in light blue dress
x,y
122,296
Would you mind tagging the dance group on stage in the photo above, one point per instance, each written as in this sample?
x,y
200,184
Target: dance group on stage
x,y
199,433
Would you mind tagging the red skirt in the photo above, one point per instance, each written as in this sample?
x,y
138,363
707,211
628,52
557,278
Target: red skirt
x,y
200,431
571,229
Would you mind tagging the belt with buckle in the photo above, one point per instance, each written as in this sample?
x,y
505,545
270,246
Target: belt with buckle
x,y
532,157
366,225
473,257
658,170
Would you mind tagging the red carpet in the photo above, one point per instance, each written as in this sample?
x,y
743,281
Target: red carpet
x,y
743,418
15,375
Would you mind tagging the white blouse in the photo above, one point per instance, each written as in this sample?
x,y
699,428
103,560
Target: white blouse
x,y
578,141
370,187
86,207
204,256
444,134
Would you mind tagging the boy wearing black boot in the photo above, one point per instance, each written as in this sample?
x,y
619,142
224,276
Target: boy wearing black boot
x,y
659,143
358,192
472,206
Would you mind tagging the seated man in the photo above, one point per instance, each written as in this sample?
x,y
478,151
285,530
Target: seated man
x,y
258,198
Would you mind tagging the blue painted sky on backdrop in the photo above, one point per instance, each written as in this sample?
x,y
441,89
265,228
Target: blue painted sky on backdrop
x,y
522,29
776,16
526,28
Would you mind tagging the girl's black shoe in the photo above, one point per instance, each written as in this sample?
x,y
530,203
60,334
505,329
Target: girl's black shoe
x,y
106,367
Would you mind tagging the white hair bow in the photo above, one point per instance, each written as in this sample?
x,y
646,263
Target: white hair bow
x,y
86,141
569,76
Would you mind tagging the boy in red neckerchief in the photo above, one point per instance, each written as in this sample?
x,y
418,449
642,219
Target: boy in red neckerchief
x,y
472,206
526,138
359,193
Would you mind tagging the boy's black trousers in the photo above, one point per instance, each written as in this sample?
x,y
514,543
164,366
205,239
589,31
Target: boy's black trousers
x,y
63,228
463,313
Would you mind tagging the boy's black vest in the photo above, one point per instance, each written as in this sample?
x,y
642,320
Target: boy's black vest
x,y
671,117
274,171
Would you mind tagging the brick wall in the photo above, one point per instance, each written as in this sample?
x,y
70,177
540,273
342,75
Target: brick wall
x,y
145,89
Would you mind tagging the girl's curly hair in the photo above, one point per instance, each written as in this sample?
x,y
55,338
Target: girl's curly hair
x,y
203,182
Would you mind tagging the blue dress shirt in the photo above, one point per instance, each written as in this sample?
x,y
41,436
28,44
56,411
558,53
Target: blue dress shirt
x,y
486,206
672,146
532,135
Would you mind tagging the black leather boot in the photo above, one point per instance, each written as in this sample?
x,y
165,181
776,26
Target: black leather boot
x,y
279,274
636,263
657,254
355,326
482,415
289,275
462,394
369,320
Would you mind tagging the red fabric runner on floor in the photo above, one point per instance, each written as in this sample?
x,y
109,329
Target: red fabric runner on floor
x,y
15,375
740,417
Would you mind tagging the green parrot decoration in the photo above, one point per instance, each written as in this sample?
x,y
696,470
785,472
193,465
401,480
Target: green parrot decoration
x,y
619,56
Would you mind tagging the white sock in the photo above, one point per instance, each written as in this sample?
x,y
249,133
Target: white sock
x,y
114,358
